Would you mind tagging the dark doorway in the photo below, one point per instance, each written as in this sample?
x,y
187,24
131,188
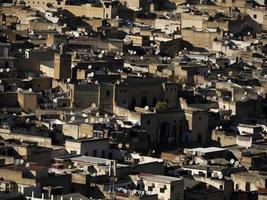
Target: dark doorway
x,y
143,101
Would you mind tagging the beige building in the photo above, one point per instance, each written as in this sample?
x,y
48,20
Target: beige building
x,y
249,181
167,188
62,66
27,100
259,15
201,37
104,9
132,4
137,40
88,147
197,122
189,20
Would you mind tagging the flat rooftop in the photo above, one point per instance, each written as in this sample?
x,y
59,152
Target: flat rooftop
x,y
158,178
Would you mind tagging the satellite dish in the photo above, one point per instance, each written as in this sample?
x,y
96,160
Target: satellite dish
x,y
27,165
120,145
220,176
89,67
30,89
93,105
21,161
1,70
86,120
185,150
7,69
72,118
97,114
68,80
16,162
215,174
92,120
84,115
232,161
236,163
106,115
146,108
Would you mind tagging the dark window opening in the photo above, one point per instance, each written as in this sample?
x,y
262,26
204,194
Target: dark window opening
x,y
107,93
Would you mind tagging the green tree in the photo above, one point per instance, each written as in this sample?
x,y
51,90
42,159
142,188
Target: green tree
x,y
161,105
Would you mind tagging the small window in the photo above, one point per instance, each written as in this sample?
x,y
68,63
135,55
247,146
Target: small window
x,y
221,187
110,155
255,16
73,152
248,186
162,190
95,152
237,186
150,188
